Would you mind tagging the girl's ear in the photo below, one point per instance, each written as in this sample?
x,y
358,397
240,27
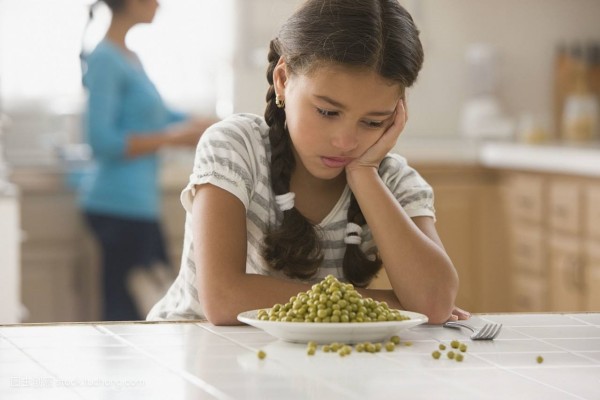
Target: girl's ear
x,y
280,77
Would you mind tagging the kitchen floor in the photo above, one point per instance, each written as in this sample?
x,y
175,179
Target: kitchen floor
x,y
201,361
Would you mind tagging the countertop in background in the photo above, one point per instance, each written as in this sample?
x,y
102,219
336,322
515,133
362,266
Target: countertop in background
x,y
554,157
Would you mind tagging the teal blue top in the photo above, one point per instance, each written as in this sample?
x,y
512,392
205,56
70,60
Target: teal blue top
x,y
122,102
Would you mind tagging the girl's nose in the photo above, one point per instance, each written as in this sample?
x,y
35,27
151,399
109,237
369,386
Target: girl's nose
x,y
345,139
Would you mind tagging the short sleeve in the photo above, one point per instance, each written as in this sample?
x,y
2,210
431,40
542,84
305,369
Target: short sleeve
x,y
226,158
413,193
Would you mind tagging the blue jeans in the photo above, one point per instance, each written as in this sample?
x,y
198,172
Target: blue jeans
x,y
125,243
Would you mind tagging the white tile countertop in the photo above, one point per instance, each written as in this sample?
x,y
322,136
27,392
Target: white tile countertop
x,y
196,360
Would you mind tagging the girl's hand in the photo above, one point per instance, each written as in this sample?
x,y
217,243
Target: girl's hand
x,y
374,154
459,314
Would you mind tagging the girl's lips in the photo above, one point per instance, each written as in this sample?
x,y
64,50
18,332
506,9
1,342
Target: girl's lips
x,y
336,162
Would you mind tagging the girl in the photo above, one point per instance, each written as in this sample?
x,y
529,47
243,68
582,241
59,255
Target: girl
x,y
275,204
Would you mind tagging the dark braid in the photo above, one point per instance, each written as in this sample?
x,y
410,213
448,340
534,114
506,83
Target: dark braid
x,y
375,34
293,247
357,267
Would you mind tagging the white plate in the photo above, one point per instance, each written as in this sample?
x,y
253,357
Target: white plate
x,y
324,333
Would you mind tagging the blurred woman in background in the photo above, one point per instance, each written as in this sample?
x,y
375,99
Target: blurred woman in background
x,y
127,122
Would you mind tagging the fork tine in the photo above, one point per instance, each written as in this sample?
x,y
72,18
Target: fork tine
x,y
496,331
489,334
490,331
483,333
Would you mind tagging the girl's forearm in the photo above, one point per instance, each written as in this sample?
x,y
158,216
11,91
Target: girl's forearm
x,y
222,303
420,272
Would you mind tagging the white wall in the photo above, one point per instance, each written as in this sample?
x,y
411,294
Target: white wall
x,y
525,33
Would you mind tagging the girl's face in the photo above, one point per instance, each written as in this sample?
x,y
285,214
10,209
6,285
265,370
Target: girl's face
x,y
334,114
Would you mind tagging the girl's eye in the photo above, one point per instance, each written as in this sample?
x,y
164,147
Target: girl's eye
x,y
327,113
374,124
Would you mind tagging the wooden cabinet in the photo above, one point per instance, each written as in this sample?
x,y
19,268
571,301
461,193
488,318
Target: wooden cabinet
x,y
566,273
470,222
592,275
554,241
59,272
60,263
524,196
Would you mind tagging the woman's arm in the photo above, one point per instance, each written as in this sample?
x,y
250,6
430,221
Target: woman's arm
x,y
224,288
185,133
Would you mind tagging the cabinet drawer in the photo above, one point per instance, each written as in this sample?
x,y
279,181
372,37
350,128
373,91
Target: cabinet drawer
x,y
524,197
528,293
592,217
592,275
527,250
564,208
566,273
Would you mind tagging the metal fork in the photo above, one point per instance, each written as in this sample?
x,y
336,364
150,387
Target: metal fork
x,y
487,331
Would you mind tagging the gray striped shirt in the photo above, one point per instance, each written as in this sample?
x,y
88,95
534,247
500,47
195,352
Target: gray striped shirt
x,y
234,155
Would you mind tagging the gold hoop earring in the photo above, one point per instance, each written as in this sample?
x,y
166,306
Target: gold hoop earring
x,y
279,102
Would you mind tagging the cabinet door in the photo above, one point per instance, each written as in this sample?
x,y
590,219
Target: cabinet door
x,y
524,197
592,197
456,210
566,273
49,286
529,293
564,206
527,254
592,274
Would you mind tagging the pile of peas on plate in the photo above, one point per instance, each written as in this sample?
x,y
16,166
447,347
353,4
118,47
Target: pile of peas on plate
x,y
331,301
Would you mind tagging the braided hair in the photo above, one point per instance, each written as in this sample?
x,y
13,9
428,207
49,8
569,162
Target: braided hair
x,y
375,34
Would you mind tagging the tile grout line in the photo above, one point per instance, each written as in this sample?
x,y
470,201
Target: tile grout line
x,y
515,372
511,371
42,366
327,383
210,389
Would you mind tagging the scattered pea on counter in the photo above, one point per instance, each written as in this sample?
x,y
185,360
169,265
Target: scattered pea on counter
x,y
261,354
452,355
539,359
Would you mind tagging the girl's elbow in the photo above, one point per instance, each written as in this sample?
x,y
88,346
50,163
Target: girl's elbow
x,y
439,308
217,311
438,316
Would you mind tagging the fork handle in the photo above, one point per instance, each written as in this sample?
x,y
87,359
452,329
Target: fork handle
x,y
457,324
